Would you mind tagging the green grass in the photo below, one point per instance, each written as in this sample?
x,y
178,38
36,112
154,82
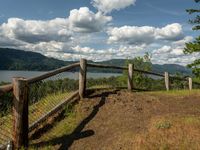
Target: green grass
x,y
100,86
177,92
191,120
60,129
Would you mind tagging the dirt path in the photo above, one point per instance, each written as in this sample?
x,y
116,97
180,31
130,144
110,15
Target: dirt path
x,y
111,120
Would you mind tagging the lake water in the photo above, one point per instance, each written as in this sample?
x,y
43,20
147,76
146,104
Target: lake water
x,y
6,76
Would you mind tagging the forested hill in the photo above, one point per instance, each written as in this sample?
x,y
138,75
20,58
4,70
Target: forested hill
x,y
11,59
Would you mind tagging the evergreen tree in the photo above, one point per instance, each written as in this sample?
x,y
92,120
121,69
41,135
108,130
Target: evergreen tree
x,y
193,47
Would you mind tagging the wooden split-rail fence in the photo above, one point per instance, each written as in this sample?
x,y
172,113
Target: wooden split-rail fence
x,y
20,90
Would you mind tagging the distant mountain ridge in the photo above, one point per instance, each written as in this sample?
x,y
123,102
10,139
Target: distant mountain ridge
x,y
12,59
171,68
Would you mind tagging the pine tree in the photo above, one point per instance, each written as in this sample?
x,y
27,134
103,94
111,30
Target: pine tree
x,y
193,47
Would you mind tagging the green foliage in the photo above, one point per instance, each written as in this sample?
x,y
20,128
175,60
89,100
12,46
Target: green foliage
x,y
196,80
5,102
42,89
106,82
194,47
150,82
176,84
142,63
163,125
3,83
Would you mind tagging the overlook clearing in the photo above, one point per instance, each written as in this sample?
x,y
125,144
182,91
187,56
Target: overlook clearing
x,y
76,114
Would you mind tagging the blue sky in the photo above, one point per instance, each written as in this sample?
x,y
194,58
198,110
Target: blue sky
x,y
99,29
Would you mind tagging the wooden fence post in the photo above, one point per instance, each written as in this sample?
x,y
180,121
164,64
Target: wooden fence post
x,y
20,112
190,83
130,76
82,77
167,81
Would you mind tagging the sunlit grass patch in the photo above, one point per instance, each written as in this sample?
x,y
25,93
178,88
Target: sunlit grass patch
x,y
100,86
177,92
46,104
59,129
192,121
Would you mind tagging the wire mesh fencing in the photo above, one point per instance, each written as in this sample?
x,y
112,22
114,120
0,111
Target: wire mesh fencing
x,y
195,85
147,82
46,95
141,81
104,80
178,84
6,119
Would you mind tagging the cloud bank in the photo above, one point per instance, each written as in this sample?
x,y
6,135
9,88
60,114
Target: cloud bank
x,y
145,34
91,34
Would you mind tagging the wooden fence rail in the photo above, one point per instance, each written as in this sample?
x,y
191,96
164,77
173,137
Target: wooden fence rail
x,y
52,73
196,83
20,88
106,66
148,72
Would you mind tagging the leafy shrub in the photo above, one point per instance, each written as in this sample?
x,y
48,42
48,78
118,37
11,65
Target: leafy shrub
x,y
163,125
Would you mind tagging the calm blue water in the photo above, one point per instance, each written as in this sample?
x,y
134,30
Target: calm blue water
x,y
7,76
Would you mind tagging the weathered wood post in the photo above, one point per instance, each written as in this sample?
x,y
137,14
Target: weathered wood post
x,y
190,83
167,81
82,77
20,112
130,76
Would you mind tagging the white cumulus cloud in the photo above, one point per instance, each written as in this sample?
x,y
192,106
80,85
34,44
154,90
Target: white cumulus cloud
x,y
33,31
172,32
131,34
106,6
144,34
80,49
84,20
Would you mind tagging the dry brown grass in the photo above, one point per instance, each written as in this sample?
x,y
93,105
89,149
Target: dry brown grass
x,y
171,132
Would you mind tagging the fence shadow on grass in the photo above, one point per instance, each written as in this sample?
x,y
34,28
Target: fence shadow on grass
x,y
67,140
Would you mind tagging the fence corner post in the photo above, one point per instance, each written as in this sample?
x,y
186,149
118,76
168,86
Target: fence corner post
x,y
130,76
82,77
190,83
20,112
167,81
